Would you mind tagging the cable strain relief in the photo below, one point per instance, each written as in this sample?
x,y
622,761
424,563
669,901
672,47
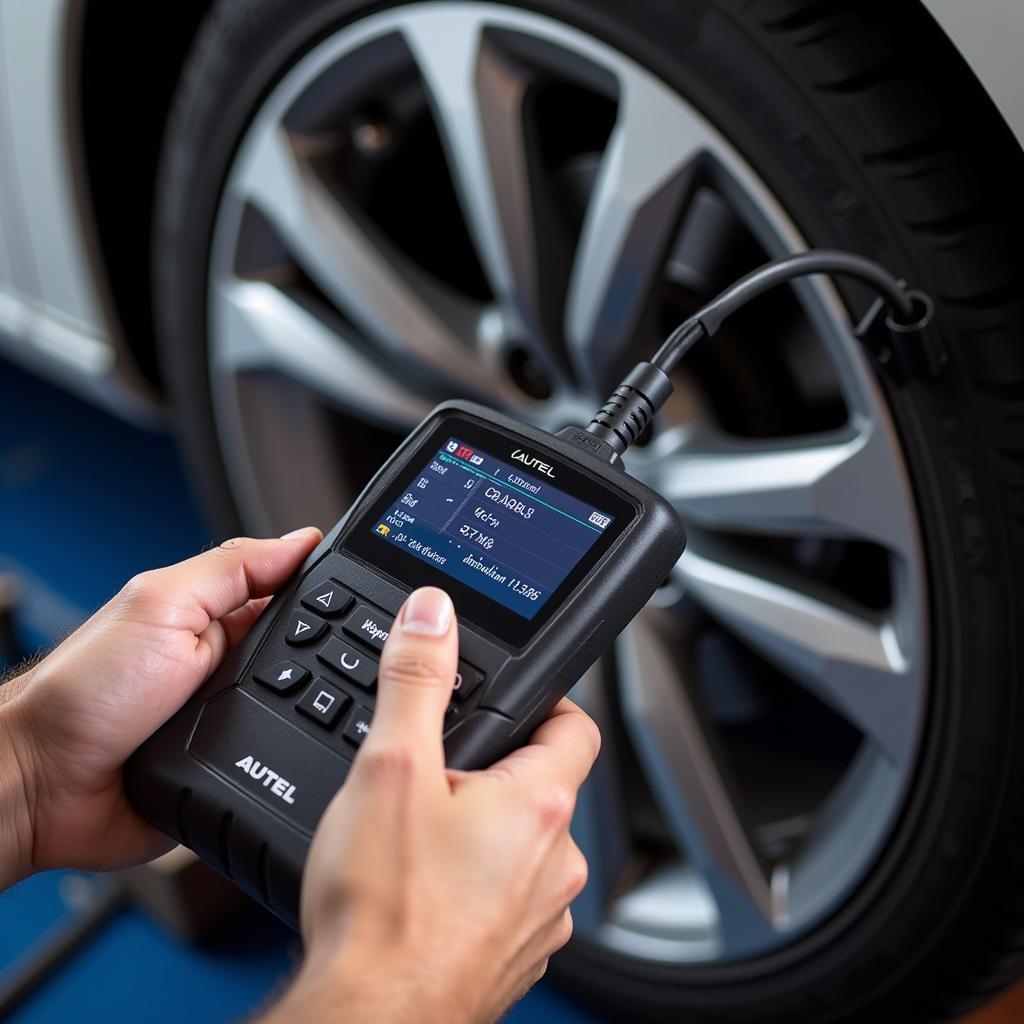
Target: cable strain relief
x,y
631,407
907,349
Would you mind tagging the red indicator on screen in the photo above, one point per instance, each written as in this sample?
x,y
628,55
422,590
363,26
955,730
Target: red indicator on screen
x,y
462,452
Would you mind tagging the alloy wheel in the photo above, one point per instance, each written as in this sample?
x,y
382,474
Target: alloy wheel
x,y
471,200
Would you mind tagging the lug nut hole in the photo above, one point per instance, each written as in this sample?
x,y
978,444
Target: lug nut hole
x,y
527,374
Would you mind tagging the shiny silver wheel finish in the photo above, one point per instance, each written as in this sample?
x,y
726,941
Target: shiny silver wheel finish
x,y
720,871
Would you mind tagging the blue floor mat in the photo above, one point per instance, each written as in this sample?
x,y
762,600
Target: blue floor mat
x,y
86,501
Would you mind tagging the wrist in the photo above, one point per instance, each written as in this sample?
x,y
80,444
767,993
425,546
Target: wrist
x,y
350,987
17,785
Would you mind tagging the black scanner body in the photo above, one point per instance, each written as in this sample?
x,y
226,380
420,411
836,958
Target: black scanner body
x,y
242,777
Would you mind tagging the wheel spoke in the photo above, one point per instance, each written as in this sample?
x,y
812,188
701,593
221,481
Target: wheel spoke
x,y
278,418
850,659
845,485
646,174
478,95
600,826
258,327
694,792
412,317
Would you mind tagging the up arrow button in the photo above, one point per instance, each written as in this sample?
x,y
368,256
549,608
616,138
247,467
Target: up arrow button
x,y
328,598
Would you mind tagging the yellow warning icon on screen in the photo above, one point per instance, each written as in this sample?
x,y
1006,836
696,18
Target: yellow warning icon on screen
x,y
383,530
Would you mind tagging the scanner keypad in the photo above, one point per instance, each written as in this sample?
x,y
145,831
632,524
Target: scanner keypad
x,y
334,637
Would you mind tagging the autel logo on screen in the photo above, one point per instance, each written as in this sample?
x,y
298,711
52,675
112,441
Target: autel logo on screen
x,y
533,462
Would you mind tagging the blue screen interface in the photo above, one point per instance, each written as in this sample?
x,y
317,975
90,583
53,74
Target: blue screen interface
x,y
509,534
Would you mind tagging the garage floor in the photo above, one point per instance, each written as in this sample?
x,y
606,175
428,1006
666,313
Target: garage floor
x,y
85,502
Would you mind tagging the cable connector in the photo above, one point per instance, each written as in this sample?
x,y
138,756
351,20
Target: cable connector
x,y
903,349
898,320
631,407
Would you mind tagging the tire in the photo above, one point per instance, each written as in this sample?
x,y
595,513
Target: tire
x,y
890,148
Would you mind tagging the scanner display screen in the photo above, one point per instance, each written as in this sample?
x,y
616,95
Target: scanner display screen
x,y
503,528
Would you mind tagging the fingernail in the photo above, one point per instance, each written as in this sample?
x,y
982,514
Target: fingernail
x,y
302,531
428,611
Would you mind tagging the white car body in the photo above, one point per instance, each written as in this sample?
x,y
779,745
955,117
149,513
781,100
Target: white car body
x,y
56,314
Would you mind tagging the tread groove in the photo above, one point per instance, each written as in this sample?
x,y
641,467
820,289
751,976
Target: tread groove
x,y
889,71
930,146
954,224
816,11
982,300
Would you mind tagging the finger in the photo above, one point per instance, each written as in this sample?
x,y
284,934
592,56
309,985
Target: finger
x,y
417,673
559,887
562,750
561,933
573,872
552,936
238,623
224,634
203,589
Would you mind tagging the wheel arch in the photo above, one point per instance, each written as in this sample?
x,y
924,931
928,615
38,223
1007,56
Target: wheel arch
x,y
989,46
124,62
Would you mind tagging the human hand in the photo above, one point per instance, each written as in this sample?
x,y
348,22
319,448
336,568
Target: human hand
x,y
70,722
436,895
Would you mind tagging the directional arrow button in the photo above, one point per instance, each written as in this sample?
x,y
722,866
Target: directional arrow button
x,y
283,677
328,598
304,628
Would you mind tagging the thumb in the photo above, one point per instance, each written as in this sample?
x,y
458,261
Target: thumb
x,y
417,672
204,589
